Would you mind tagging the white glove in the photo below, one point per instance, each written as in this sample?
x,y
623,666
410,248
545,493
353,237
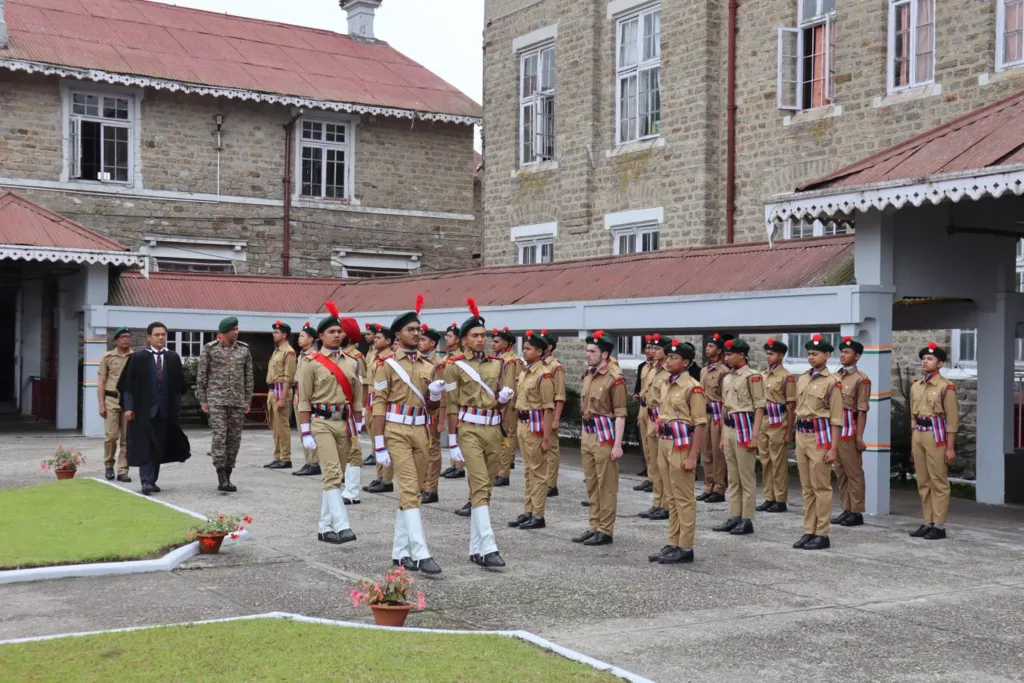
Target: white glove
x,y
505,395
454,452
359,427
381,453
308,442
436,387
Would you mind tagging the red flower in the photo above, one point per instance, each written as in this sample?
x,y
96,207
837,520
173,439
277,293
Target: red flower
x,y
247,519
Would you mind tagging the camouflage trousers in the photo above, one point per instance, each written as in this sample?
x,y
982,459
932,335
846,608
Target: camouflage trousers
x,y
226,427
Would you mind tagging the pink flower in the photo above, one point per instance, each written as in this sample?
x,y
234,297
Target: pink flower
x,y
421,601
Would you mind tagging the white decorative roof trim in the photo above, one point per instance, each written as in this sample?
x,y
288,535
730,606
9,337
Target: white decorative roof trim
x,y
17,252
99,76
896,194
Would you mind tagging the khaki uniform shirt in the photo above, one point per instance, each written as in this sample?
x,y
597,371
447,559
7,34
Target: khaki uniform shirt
x,y
318,384
513,365
936,397
367,378
464,392
111,364
557,371
821,396
779,385
536,388
604,392
300,359
856,390
711,379
282,368
388,387
657,378
683,401
742,391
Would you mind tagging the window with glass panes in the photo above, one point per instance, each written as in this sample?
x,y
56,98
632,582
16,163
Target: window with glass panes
x,y
101,133
1009,33
911,43
536,251
188,343
635,239
796,342
638,87
325,155
537,105
806,57
796,228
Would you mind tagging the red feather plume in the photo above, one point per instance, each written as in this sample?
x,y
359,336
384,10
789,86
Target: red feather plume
x,y
932,346
505,329
771,341
332,308
816,338
425,327
716,337
544,332
494,330
419,303
847,339
471,302
675,342
598,334
529,334
728,343
277,323
657,337
648,339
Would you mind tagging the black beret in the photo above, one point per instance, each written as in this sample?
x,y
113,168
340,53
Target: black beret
x,y
818,344
850,343
537,341
933,349
774,345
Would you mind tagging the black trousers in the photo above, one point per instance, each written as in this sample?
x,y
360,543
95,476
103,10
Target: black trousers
x,y
150,471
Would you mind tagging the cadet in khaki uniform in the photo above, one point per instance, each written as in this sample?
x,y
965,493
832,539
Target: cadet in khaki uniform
x,y
280,377
714,459
935,412
603,408
371,364
682,420
743,407
452,348
656,377
776,428
535,410
504,347
819,416
850,466
353,466
641,419
477,396
383,341
557,370
401,383
329,401
307,335
115,428
428,485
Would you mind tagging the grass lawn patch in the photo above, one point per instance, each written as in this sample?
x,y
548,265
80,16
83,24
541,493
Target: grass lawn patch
x,y
82,521
280,650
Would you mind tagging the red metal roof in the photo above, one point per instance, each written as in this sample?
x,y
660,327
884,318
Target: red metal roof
x,y
151,39
702,270
986,137
26,223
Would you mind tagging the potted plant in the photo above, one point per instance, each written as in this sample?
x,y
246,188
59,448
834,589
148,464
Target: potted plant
x,y
211,533
64,463
389,599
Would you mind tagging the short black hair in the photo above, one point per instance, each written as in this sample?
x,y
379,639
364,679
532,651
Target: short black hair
x,y
153,326
386,333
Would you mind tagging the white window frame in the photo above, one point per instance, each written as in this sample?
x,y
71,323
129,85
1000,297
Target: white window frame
x,y
891,51
624,73
1001,63
198,250
637,346
539,244
349,147
637,232
537,235
71,123
176,338
832,227
386,262
796,33
1018,343
535,103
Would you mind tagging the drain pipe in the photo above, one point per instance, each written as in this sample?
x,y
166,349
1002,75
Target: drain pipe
x,y
286,180
730,145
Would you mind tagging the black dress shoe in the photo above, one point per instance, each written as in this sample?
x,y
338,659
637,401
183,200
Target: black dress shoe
x,y
477,560
533,523
109,474
465,511
763,507
552,492
676,556
501,481
410,564
598,539
399,563
490,561
804,540
921,531
642,473
646,514
519,520
654,557
935,534
150,488
704,496
372,483
838,519
715,498
270,464
659,514
370,460
312,470
428,566
585,503
349,501
777,507
743,528
855,519
228,486
457,474
818,543
345,536
124,478
642,486
447,471
381,487
727,525
584,537
303,471
282,465
428,497
329,537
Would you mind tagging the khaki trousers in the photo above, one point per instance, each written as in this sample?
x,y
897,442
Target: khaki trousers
x,y
678,495
407,445
535,469
849,467
742,472
641,424
332,442
481,449
115,431
602,477
771,444
654,466
432,473
715,469
508,452
386,474
277,418
815,484
554,459
932,476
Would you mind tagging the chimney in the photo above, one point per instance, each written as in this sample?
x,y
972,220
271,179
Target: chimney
x,y
3,28
360,17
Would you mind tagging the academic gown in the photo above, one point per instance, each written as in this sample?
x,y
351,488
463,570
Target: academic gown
x,y
138,378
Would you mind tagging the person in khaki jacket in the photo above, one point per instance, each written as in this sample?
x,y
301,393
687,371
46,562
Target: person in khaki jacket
x,y
641,414
280,378
115,427
557,370
935,413
849,465
428,348
603,408
383,341
776,428
353,467
307,336
682,418
657,375
503,344
535,411
819,417
713,458
743,407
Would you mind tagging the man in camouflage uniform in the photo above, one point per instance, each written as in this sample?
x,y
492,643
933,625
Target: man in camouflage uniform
x,y
224,386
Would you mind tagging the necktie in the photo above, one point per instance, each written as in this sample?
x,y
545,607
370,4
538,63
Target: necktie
x,y
160,366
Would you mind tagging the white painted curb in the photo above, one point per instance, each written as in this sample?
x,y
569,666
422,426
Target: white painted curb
x,y
163,564
522,635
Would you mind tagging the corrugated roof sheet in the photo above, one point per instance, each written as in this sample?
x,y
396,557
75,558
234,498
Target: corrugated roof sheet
x,y
142,38
704,270
986,137
25,223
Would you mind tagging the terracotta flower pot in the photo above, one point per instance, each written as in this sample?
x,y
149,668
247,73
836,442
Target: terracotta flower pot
x,y
209,544
65,474
390,615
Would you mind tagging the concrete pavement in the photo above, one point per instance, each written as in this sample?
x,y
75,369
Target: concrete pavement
x,y
879,606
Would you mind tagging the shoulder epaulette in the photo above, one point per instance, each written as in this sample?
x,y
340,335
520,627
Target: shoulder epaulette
x,y
213,343
242,343
291,350
790,378
559,367
548,375
755,377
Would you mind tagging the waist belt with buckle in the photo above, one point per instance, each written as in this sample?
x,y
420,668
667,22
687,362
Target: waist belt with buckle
x,y
602,426
936,425
743,423
679,433
111,394
329,411
533,418
820,427
488,417
405,414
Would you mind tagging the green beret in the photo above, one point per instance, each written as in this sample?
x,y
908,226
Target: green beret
x,y
431,333
736,346
535,340
684,349
308,328
850,343
503,333
818,344
469,324
602,340
719,340
283,327
551,339
121,330
776,346
662,342
227,324
933,349
403,320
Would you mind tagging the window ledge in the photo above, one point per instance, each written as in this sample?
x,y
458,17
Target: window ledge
x,y
816,114
539,167
902,96
315,203
1007,73
636,146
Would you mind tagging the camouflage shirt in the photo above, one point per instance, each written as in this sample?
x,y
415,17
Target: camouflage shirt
x,y
225,375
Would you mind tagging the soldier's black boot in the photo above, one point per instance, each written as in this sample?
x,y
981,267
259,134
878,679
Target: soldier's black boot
x,y
228,486
222,480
